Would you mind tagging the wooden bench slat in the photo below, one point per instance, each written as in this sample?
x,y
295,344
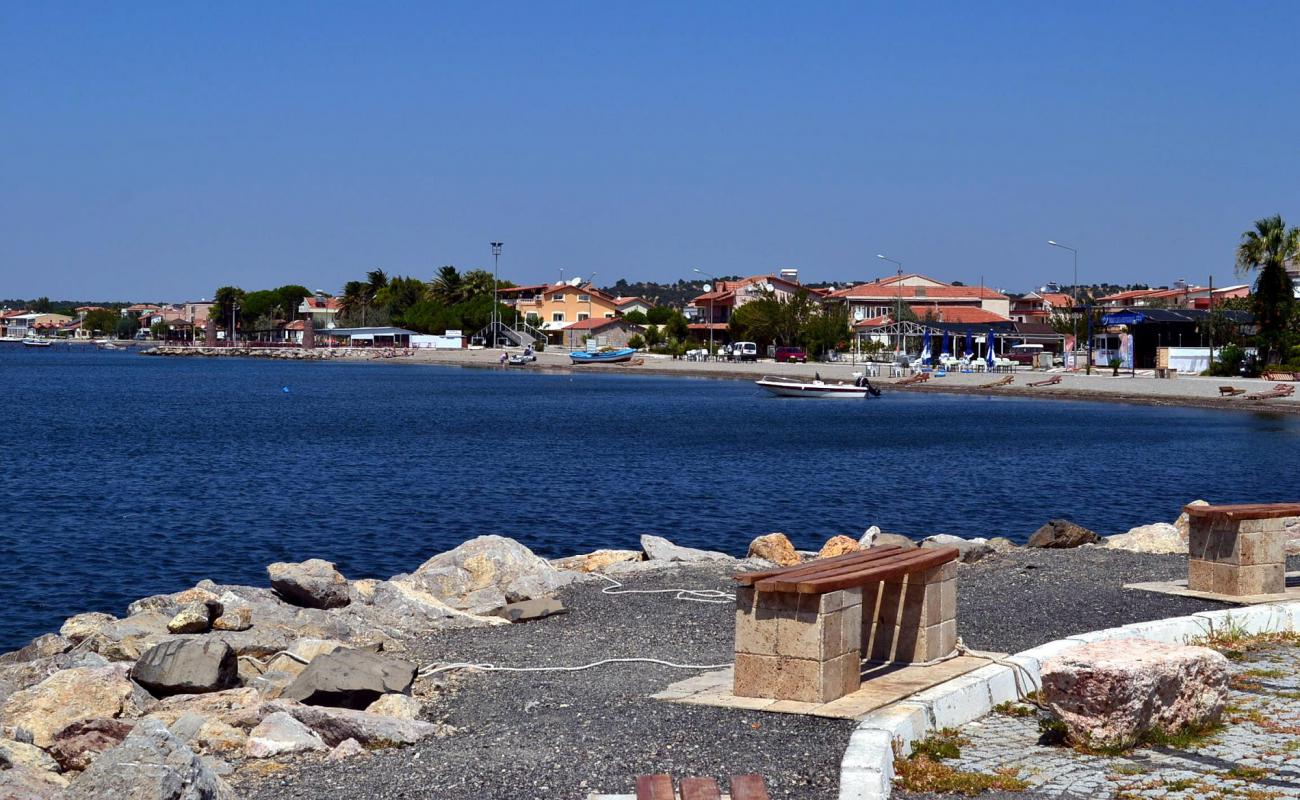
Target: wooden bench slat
x,y
785,582
748,787
1246,511
888,570
654,787
700,789
870,554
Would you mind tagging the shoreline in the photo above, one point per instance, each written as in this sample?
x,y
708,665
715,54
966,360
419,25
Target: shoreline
x,y
1185,392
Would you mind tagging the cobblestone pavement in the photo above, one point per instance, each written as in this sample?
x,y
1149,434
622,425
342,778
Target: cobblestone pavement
x,y
1256,756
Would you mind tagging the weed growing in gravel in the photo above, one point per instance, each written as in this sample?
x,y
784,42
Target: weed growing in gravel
x,y
1238,714
1051,731
1181,785
1129,769
1261,672
1011,708
1234,642
1260,794
1186,738
941,744
1241,683
920,773
1246,773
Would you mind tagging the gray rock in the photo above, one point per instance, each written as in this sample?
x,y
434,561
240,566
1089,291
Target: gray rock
x,y
191,618
188,666
272,683
281,733
76,746
150,764
29,783
24,674
313,583
971,550
486,573
892,540
402,706
657,548
528,610
1059,534
43,646
21,754
348,748
335,725
1002,544
350,679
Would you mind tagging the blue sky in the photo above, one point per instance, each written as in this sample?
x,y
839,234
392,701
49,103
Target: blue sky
x,y
157,150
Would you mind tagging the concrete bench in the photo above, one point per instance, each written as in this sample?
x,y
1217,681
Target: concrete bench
x,y
802,631
1238,550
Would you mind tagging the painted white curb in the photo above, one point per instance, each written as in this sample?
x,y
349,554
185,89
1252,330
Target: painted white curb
x,y
867,770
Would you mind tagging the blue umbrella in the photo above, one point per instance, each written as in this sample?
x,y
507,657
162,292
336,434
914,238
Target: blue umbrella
x,y
947,349
988,349
970,347
925,346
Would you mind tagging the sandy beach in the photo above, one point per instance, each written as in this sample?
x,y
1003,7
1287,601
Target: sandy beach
x,y
1192,391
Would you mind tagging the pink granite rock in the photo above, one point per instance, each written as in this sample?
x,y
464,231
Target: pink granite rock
x,y
1109,694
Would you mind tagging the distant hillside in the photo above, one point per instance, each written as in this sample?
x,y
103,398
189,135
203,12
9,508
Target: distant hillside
x,y
675,295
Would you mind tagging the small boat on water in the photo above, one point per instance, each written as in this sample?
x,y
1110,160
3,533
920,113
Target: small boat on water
x,y
603,356
107,345
523,359
37,342
797,387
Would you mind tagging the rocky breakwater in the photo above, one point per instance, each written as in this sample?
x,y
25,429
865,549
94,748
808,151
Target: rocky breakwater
x,y
288,353
189,686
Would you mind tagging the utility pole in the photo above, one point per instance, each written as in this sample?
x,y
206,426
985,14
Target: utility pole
x,y
496,258
1074,295
898,315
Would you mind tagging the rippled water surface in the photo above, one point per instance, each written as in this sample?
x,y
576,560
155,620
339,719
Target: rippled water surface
x,y
125,475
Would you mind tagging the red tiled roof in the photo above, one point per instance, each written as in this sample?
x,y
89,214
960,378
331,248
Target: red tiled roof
x,y
880,291
873,322
588,289
956,314
1129,295
593,323
536,287
296,325
323,303
705,326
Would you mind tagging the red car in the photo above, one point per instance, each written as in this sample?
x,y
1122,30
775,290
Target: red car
x,y
791,355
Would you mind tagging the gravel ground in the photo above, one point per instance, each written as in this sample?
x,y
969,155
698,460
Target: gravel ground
x,y
557,736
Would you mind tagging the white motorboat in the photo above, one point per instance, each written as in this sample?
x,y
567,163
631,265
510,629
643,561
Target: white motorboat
x,y
30,342
796,387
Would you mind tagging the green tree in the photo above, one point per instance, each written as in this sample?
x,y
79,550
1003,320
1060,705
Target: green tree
x,y
448,288
125,327
826,331
659,315
652,336
635,341
635,317
101,322
1268,249
677,327
400,294
223,303
429,316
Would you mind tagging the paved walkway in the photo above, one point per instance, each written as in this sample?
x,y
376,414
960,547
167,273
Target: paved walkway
x,y
1255,757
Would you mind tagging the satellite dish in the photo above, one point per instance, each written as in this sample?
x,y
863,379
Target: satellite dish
x,y
769,286
576,281
707,288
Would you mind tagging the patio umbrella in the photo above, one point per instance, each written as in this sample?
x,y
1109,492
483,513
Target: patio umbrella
x,y
925,346
970,345
947,349
988,349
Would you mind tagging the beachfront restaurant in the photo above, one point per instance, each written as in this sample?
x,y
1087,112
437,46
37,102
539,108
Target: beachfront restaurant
x,y
1135,335
368,337
907,336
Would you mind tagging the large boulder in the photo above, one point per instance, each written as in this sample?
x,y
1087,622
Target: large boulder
x,y
970,550
280,733
868,537
839,546
69,696
350,679
401,706
657,548
1060,534
240,708
597,561
1110,694
1159,537
774,547
313,583
83,626
30,783
192,618
893,540
1184,523
486,573
150,764
24,674
44,646
335,725
20,754
401,608
187,666
296,658
77,745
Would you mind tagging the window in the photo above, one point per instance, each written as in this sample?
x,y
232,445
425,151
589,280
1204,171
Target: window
x,y
557,316
584,298
609,316
559,298
582,315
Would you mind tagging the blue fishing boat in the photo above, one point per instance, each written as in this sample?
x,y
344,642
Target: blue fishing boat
x,y
603,356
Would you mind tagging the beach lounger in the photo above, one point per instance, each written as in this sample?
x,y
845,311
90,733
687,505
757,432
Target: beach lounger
x,y
1278,390
1005,380
919,377
1230,391
660,787
1279,376
1052,381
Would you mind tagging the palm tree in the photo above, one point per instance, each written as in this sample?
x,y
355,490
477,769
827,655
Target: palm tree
x,y
448,288
1269,248
355,300
376,279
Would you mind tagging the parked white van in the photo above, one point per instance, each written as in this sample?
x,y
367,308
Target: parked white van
x,y
744,351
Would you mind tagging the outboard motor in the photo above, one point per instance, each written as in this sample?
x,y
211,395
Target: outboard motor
x,y
863,382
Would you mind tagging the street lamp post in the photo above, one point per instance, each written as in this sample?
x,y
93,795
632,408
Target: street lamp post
x,y
496,259
898,314
709,325
1074,295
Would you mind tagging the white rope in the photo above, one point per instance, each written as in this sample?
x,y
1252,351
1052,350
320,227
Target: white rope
x,y
434,669
693,595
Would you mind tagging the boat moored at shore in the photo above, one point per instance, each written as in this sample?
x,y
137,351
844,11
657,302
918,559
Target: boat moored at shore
x,y
621,355
797,387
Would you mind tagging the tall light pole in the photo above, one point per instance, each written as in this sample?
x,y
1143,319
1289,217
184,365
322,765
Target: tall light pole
x,y
898,315
1074,296
710,323
496,259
